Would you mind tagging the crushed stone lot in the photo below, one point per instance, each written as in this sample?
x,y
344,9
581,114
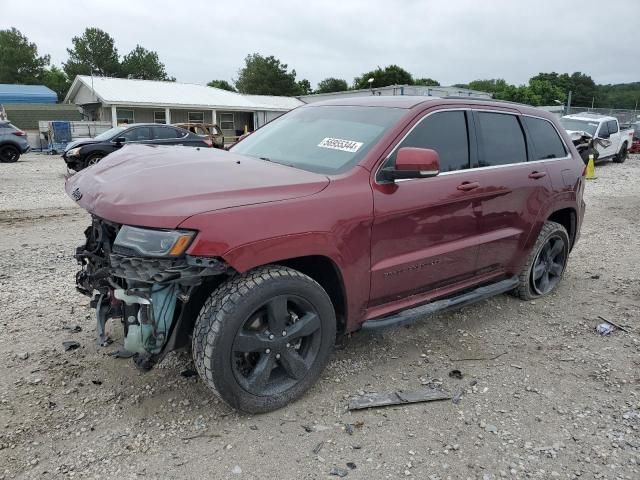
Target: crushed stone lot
x,y
551,398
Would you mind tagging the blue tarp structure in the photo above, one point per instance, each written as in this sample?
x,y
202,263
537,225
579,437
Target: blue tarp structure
x,y
26,94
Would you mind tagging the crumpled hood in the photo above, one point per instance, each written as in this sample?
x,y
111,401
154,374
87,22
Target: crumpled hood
x,y
162,186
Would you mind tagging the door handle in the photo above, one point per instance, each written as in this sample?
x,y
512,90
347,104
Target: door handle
x,y
466,186
536,175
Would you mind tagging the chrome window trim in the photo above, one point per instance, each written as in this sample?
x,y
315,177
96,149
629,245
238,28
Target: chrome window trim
x,y
464,109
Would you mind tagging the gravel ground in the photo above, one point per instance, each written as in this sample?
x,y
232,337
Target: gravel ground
x,y
559,401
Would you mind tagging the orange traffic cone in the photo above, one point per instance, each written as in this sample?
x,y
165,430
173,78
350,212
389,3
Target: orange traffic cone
x,y
591,169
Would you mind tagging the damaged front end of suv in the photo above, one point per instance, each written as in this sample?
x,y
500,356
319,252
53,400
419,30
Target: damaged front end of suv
x,y
143,277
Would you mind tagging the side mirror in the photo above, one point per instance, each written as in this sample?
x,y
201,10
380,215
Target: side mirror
x,y
413,163
604,136
120,140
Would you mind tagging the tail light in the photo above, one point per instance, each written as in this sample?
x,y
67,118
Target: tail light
x,y
208,141
19,133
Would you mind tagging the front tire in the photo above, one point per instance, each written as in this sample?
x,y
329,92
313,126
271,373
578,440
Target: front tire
x,y
546,263
9,154
93,159
264,337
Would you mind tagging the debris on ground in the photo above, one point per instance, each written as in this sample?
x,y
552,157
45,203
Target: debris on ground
x,y
188,373
456,374
70,345
619,327
371,400
318,447
339,472
74,329
605,329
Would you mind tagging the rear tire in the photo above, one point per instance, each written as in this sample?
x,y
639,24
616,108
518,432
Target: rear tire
x,y
546,263
9,154
264,337
622,155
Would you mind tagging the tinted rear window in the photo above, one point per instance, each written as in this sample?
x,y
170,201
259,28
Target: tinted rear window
x,y
501,139
545,139
444,132
613,126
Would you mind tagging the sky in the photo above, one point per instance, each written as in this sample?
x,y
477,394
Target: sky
x,y
449,41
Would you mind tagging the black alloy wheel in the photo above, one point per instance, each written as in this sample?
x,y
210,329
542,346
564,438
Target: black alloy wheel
x,y
277,345
549,265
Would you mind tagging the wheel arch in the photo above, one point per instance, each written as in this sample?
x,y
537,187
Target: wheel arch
x,y
568,218
323,270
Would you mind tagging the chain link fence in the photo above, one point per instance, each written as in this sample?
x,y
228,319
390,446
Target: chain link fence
x,y
623,116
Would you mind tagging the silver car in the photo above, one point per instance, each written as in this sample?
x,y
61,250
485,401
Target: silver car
x,y
13,142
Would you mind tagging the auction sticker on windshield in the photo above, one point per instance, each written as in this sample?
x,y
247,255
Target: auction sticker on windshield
x,y
340,144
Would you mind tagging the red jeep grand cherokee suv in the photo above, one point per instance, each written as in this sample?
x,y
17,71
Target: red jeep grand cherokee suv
x,y
341,215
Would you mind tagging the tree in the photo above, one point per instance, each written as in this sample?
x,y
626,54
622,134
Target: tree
x,y
390,75
331,84
304,87
426,82
266,76
56,80
143,64
19,59
492,85
222,84
93,52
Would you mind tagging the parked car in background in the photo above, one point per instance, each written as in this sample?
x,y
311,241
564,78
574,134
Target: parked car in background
x,y
83,153
614,142
208,130
13,142
365,212
635,146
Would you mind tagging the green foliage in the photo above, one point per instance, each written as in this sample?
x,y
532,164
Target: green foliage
x,y
19,59
623,95
331,84
266,76
143,64
304,87
382,77
493,85
223,84
426,82
56,80
93,52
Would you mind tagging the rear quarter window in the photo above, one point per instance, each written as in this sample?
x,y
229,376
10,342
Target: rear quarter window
x,y
501,139
544,138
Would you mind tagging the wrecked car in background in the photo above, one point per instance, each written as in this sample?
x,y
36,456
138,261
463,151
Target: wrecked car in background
x,y
598,135
341,215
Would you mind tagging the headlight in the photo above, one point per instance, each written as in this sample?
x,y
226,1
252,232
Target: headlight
x,y
153,243
74,152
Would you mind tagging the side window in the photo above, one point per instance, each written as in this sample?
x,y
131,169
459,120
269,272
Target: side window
x,y
167,133
444,132
501,139
613,126
545,139
139,134
604,130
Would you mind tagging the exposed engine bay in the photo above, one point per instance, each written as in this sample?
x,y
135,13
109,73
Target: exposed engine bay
x,y
148,294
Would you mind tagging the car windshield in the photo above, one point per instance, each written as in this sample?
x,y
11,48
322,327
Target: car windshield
x,y
112,132
576,125
321,139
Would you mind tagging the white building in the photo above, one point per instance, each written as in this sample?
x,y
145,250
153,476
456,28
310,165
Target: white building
x,y
122,100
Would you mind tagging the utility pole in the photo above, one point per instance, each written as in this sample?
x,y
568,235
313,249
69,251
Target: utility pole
x,y
568,104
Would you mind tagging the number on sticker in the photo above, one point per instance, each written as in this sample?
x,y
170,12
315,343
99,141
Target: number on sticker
x,y
340,144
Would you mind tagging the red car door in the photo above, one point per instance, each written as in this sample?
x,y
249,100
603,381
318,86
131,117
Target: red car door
x,y
516,190
424,230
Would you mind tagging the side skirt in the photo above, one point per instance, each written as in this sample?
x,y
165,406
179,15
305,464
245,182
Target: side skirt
x,y
411,315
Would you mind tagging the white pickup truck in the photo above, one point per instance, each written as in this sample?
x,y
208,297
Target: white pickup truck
x,y
611,143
